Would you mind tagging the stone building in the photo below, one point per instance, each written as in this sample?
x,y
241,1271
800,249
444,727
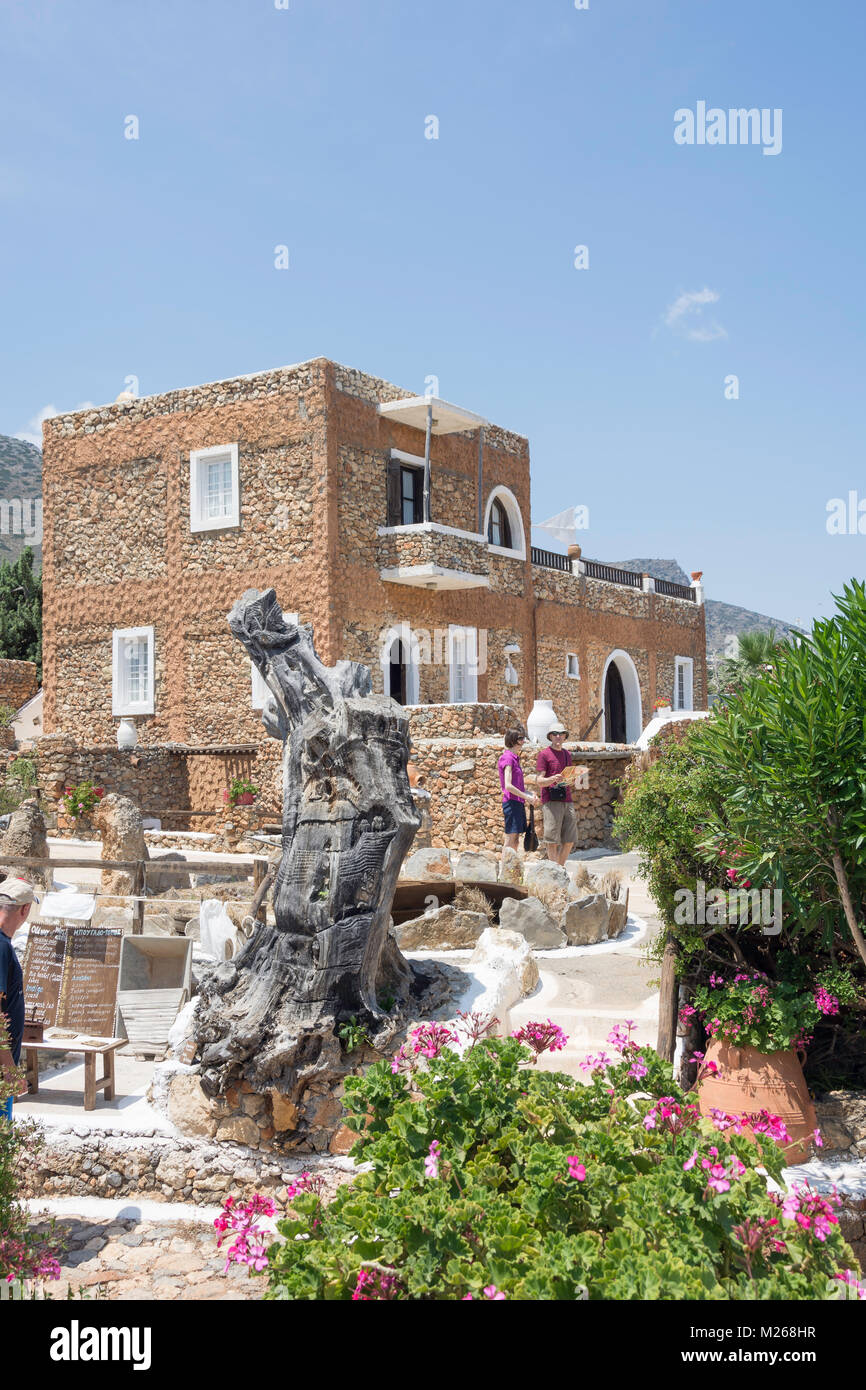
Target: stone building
x,y
160,511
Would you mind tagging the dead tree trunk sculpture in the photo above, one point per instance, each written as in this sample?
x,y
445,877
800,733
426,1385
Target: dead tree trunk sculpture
x,y
270,1016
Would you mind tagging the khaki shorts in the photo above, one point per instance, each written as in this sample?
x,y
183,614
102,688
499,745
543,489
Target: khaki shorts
x,y
560,822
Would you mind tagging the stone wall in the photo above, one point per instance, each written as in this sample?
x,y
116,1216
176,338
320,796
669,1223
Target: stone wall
x,y
160,779
466,799
18,682
151,1165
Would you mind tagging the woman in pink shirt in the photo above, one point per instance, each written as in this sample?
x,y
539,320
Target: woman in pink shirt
x,y
514,793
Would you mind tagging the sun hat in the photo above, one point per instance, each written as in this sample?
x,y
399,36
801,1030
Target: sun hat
x,y
15,890
554,729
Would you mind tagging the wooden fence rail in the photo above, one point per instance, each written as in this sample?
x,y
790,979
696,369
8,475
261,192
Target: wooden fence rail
x,y
138,869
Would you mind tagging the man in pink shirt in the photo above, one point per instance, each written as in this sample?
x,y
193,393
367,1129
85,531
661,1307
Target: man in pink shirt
x,y
560,822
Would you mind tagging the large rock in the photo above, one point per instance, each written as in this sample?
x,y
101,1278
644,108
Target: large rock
x,y
122,917
445,929
158,882
511,868
189,1108
617,919
585,921
532,920
25,835
118,821
505,968
428,866
474,867
545,874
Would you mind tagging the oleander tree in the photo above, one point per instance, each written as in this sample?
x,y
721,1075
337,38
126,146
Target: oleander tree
x,y
770,793
791,750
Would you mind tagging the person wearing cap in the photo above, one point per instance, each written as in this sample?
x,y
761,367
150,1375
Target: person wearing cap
x,y
16,898
560,822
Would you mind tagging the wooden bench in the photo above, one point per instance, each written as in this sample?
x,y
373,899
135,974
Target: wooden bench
x,y
92,1048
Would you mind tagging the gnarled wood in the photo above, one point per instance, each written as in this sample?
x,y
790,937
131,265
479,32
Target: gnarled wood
x,y
270,1016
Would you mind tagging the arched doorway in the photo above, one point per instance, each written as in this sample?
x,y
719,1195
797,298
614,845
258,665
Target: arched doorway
x,y
621,700
399,657
398,672
614,705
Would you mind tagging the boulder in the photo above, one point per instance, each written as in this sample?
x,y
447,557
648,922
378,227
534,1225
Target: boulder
x,y
585,921
532,920
25,835
504,966
511,868
113,917
543,873
617,919
160,882
444,929
428,866
189,1108
474,867
118,821
158,924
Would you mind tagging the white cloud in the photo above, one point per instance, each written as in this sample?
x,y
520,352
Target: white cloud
x,y
687,317
33,433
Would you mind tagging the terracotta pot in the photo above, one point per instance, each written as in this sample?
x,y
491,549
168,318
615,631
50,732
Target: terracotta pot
x,y
748,1081
246,798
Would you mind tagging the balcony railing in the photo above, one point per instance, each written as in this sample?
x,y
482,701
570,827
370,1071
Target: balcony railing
x,y
550,559
667,586
612,574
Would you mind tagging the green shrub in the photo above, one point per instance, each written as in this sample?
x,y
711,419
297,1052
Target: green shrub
x,y
22,1255
489,1178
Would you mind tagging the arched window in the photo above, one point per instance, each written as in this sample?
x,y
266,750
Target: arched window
x,y
499,527
503,524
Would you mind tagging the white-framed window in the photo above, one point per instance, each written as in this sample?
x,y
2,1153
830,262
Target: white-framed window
x,y
684,668
132,670
462,664
572,666
503,524
214,494
260,688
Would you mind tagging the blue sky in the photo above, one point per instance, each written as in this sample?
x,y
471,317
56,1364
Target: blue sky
x,y
410,256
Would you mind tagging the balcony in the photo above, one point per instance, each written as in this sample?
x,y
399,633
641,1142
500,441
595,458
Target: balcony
x,y
430,556
613,574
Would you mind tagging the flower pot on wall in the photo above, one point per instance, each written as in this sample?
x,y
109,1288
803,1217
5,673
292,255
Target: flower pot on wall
x,y
127,735
540,720
749,1081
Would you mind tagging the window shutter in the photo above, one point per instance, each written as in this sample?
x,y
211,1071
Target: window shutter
x,y
395,501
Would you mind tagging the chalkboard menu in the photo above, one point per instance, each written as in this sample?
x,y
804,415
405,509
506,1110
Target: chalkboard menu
x,y
43,972
70,978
